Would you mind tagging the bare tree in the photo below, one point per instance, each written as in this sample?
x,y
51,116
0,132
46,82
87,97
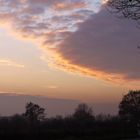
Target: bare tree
x,y
128,8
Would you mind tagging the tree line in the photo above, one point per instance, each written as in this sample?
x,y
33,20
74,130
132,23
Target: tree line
x,y
82,124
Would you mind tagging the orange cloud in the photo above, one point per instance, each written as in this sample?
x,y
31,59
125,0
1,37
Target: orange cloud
x,y
104,1
69,6
57,61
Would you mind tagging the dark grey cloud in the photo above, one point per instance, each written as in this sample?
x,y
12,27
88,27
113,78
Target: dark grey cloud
x,y
106,44
11,104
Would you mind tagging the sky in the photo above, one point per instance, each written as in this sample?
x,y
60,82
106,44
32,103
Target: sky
x,y
67,49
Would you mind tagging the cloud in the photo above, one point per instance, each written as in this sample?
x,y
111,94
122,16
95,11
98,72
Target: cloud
x,y
36,18
69,5
11,103
103,46
8,62
76,38
53,87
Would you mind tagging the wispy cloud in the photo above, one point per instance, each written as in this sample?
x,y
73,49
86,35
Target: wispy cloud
x,y
69,5
8,62
52,87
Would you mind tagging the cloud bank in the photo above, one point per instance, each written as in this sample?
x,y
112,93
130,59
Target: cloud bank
x,y
80,40
12,103
105,45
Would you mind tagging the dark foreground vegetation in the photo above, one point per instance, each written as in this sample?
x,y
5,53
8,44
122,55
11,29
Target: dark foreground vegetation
x,y
82,125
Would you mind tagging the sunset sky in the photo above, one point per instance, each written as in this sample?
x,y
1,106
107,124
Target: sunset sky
x,y
67,49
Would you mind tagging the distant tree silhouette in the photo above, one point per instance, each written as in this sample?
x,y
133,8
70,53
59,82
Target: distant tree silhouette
x,y
34,112
83,111
129,108
128,8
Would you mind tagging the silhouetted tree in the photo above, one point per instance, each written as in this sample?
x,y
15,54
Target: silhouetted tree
x,y
129,108
83,111
127,8
34,112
